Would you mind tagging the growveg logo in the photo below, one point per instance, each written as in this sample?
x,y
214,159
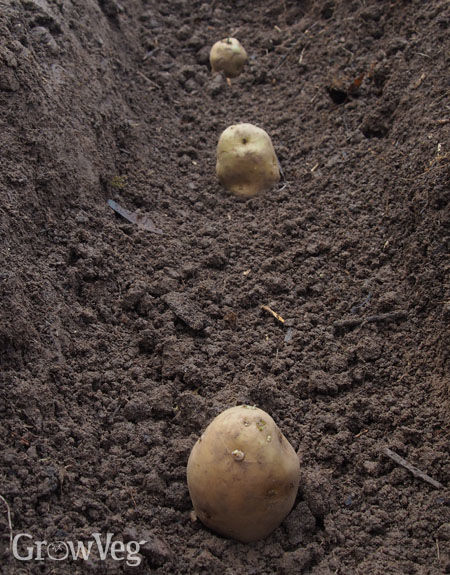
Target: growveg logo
x,y
25,548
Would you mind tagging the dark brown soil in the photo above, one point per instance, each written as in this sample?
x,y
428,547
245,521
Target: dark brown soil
x,y
118,344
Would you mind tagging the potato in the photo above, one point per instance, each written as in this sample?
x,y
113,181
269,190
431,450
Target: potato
x,y
246,161
243,474
228,56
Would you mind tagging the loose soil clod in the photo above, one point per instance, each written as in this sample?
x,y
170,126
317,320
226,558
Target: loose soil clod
x,y
186,310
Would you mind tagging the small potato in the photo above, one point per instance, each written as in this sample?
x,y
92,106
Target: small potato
x,y
243,474
228,56
246,161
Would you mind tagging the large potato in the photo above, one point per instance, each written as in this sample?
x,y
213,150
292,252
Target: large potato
x,y
243,474
246,160
228,56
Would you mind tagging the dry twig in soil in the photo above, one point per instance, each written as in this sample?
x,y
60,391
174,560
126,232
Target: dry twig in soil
x,y
8,512
414,470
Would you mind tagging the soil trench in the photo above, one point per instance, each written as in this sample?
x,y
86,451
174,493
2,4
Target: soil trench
x,y
132,284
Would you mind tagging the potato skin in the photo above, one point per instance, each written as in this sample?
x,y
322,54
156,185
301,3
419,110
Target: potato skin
x,y
228,56
246,161
243,474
